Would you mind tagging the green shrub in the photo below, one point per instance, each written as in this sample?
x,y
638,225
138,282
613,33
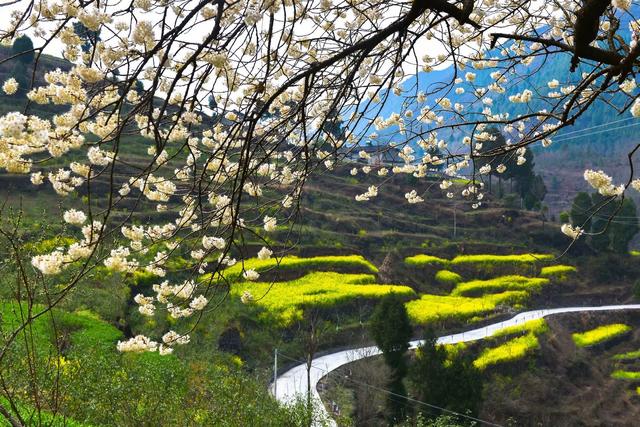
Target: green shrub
x,y
447,277
600,334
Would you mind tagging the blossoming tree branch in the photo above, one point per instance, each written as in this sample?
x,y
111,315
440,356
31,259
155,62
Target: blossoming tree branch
x,y
236,104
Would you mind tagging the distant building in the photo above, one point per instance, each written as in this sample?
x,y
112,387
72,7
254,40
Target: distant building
x,y
378,155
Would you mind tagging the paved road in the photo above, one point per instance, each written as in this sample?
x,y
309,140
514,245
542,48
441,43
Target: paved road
x,y
293,383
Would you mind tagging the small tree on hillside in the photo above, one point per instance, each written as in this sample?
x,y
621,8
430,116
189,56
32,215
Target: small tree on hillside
x,y
600,226
391,330
22,49
581,211
624,227
449,382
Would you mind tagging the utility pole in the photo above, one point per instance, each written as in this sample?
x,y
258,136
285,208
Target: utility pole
x,y
454,221
275,373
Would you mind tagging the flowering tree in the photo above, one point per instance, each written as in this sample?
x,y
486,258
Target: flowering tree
x,y
280,76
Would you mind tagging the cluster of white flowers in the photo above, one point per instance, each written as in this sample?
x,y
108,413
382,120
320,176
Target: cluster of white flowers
x,y
10,86
571,231
371,192
603,183
251,275
198,174
246,297
412,197
75,217
264,254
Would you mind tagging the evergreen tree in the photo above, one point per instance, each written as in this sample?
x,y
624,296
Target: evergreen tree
x,y
391,330
581,210
23,50
600,222
624,227
449,382
22,76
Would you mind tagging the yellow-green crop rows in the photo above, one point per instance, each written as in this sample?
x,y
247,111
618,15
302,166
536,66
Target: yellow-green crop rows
x,y
512,350
286,301
631,355
537,327
503,283
559,272
319,263
600,334
430,308
626,375
447,277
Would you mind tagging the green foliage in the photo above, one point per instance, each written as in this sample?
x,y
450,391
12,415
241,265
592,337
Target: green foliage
x,y
102,387
286,301
445,378
581,211
48,245
564,217
447,277
503,283
391,330
601,240
390,326
625,375
624,227
600,334
23,46
559,272
320,263
33,417
510,351
432,308
423,260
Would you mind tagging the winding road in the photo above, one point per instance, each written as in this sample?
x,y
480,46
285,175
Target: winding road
x,y
293,383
